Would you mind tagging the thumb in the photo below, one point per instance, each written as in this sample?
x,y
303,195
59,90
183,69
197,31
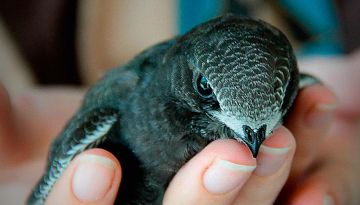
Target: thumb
x,y
213,176
93,177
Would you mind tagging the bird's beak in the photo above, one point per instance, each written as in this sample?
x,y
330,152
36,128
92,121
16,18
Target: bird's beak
x,y
254,139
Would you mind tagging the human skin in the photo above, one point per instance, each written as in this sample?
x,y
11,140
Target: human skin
x,y
37,106
333,166
324,137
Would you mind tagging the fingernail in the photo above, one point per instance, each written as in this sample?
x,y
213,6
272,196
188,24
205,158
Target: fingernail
x,y
270,159
93,177
223,176
320,115
328,200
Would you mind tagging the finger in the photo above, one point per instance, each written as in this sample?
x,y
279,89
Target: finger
x,y
8,136
335,177
213,176
6,118
93,177
309,122
43,104
274,162
330,185
34,106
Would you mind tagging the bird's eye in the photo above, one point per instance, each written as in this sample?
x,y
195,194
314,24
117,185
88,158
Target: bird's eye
x,y
203,87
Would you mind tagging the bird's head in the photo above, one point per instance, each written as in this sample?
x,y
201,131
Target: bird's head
x,y
241,74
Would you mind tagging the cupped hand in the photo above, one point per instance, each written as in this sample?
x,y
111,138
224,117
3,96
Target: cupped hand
x,y
29,121
28,124
226,173
325,168
223,173
326,165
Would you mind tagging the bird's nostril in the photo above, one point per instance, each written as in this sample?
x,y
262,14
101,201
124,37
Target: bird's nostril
x,y
250,138
261,133
249,133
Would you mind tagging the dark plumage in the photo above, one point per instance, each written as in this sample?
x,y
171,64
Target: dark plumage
x,y
230,77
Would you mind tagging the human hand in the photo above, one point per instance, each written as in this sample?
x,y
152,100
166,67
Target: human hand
x,y
195,181
205,179
26,140
226,173
326,164
28,123
38,106
310,122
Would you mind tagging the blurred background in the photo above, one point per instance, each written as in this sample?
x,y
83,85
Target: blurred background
x,y
68,42
73,42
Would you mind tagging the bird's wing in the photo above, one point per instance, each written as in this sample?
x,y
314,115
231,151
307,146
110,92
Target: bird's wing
x,y
84,131
282,78
100,111
307,80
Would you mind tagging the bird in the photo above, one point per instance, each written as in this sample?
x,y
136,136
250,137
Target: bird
x,y
228,78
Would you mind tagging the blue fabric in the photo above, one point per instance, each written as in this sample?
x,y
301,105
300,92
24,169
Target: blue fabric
x,y
319,18
192,13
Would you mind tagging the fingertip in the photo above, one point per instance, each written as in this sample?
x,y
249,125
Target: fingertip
x,y
106,154
230,150
310,121
230,167
312,192
273,166
331,183
96,176
277,150
319,107
282,137
212,176
319,93
92,177
317,98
